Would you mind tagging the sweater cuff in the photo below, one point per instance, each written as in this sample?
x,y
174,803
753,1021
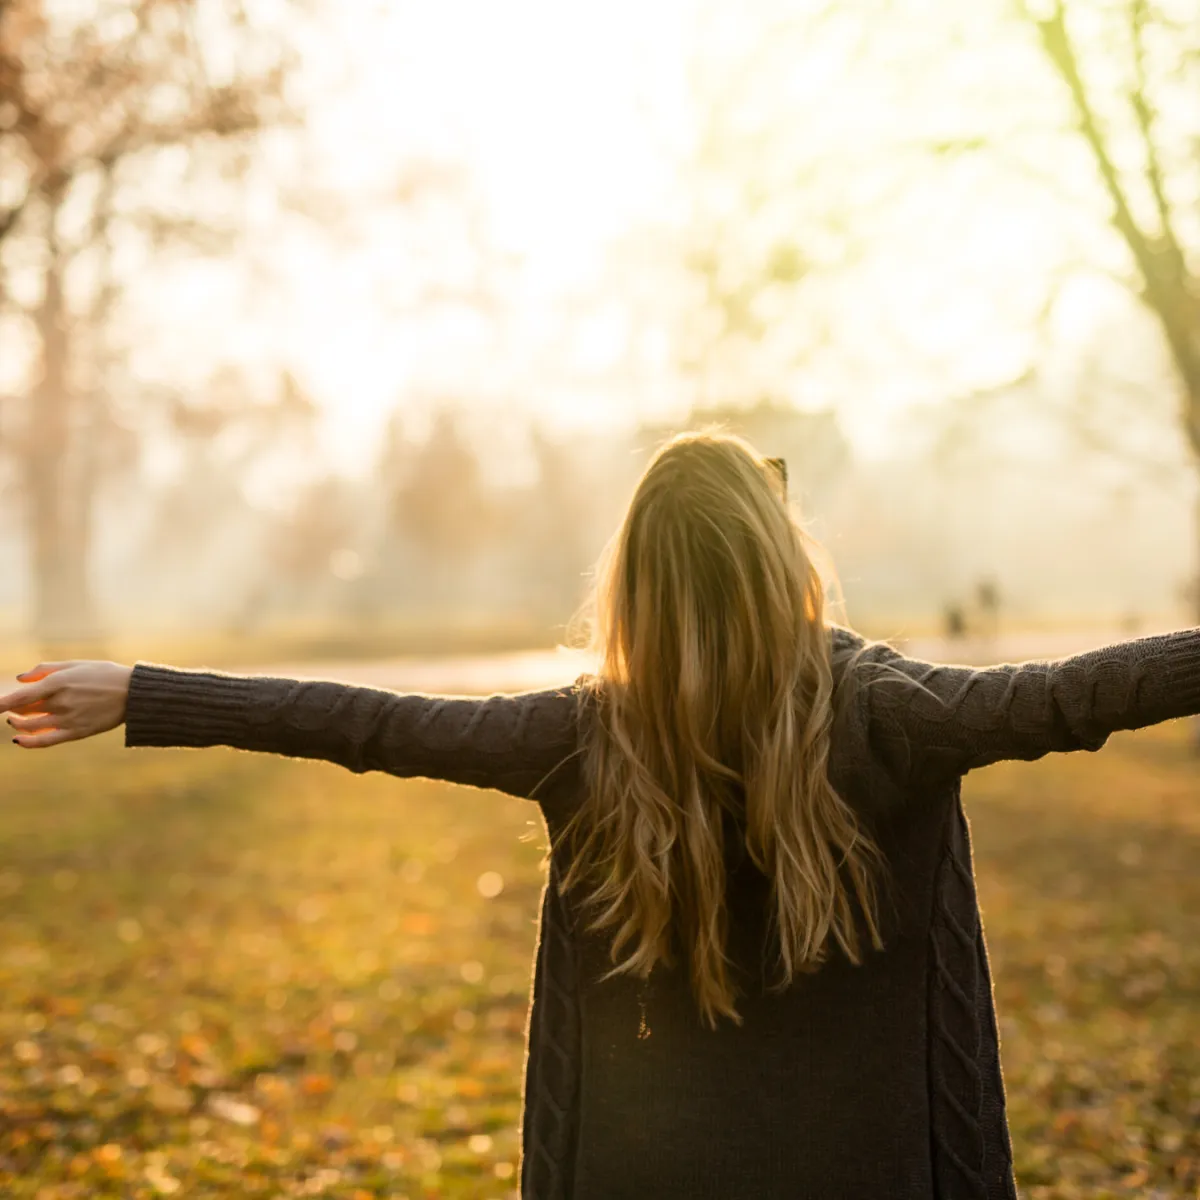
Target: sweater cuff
x,y
1179,692
171,707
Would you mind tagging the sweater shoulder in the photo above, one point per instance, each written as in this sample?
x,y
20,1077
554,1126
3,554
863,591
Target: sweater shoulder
x,y
857,769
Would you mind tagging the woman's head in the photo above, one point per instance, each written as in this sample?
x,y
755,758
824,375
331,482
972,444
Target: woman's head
x,y
714,702
709,578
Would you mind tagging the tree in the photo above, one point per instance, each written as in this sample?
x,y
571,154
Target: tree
x,y
312,547
556,527
203,525
439,511
97,108
735,273
1144,149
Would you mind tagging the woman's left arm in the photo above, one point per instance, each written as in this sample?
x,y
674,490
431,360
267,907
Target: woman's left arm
x,y
513,743
939,719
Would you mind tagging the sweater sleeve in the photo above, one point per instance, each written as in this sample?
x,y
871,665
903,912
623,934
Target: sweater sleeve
x,y
928,719
520,744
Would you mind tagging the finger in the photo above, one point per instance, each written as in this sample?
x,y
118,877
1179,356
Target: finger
x,y
22,697
36,709
37,724
35,741
44,669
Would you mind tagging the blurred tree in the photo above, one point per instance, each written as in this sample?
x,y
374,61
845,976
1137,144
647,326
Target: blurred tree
x,y
439,511
307,553
314,537
99,107
744,248
203,519
1143,134
721,288
556,524
440,504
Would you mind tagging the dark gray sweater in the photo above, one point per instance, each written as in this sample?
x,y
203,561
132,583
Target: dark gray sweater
x,y
858,1083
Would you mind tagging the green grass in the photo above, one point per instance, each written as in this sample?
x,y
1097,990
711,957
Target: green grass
x,y
230,975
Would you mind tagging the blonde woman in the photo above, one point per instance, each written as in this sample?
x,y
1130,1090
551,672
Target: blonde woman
x,y
760,970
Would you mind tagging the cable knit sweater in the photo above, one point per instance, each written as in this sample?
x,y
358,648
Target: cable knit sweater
x,y
857,1083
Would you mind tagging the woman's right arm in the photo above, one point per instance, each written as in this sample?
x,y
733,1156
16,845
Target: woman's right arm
x,y
513,743
930,720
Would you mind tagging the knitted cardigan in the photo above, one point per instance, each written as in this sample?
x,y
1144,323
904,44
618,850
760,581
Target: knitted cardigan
x,y
905,733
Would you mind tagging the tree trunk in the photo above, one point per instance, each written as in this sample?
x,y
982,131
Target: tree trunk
x,y
63,617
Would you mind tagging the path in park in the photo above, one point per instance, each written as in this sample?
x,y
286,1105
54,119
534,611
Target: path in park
x,y
529,670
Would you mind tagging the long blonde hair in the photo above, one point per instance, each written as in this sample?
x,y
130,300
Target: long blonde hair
x,y
713,704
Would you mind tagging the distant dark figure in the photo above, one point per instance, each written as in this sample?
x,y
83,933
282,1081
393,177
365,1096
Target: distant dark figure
x,y
955,622
987,597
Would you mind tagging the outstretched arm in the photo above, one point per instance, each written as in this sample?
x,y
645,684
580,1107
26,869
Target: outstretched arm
x,y
514,743
927,719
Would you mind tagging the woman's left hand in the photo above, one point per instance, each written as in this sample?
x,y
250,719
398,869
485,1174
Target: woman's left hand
x,y
63,702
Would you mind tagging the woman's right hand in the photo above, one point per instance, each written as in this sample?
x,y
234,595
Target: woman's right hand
x,y
63,702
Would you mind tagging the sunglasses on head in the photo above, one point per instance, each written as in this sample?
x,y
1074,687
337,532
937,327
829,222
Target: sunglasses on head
x,y
779,466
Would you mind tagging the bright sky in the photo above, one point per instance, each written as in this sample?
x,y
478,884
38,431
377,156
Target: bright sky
x,y
573,125
546,105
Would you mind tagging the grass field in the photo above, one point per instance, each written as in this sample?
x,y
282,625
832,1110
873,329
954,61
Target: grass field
x,y
230,975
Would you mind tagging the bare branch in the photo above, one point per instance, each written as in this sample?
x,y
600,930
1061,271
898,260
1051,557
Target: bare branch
x,y
1145,115
1165,291
9,219
1057,44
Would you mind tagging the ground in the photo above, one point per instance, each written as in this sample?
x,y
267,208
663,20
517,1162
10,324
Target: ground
x,y
232,975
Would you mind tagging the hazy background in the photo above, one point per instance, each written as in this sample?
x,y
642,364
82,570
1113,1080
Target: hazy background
x,y
357,317
334,332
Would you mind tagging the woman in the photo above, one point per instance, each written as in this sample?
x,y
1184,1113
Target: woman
x,y
760,971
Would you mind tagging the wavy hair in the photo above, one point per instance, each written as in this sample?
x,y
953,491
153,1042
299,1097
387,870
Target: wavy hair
x,y
711,715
